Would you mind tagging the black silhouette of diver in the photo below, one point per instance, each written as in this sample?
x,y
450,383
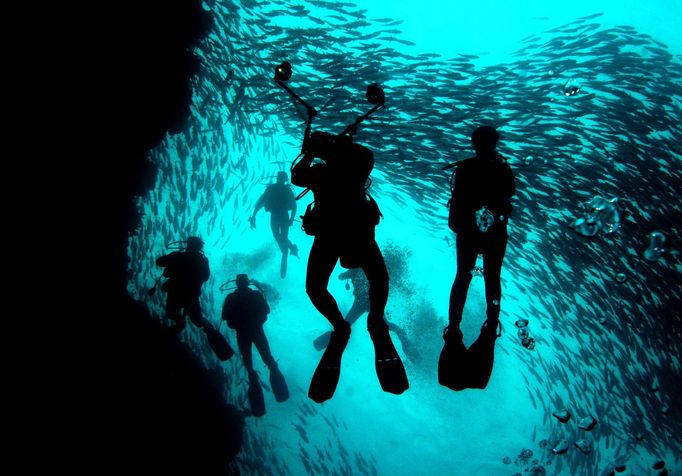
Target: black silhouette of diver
x,y
342,220
246,310
479,210
186,272
361,305
278,199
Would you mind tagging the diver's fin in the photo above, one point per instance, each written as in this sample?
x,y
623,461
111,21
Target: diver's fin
x,y
218,343
321,342
480,357
389,367
326,376
278,384
256,400
453,369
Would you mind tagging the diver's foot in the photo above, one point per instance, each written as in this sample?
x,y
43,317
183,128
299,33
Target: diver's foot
x,y
293,250
326,376
452,364
389,367
278,384
255,395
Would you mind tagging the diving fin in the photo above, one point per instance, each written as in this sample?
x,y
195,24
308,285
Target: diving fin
x,y
256,400
326,376
453,365
278,384
480,357
321,342
218,343
389,367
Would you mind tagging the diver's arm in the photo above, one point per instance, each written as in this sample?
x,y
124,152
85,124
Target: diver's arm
x,y
259,204
166,260
205,270
292,209
227,309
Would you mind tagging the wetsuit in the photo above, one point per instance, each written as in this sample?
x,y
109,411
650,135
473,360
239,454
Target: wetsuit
x,y
480,182
245,311
344,228
186,272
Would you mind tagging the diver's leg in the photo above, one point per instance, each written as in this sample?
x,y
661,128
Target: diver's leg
x,y
293,249
244,341
493,255
277,382
173,311
261,343
466,259
321,262
377,275
194,312
358,308
278,226
389,366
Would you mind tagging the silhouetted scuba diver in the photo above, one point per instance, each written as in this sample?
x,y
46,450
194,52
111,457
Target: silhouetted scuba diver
x,y
245,311
479,210
361,305
343,220
186,272
278,199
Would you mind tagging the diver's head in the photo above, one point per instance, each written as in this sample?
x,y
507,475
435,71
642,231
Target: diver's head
x,y
485,140
322,145
194,244
282,177
242,281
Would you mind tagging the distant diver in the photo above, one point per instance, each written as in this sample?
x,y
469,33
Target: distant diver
x,y
361,305
278,199
479,210
186,271
245,310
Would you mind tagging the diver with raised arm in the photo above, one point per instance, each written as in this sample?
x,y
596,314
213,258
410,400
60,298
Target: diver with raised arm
x,y
342,220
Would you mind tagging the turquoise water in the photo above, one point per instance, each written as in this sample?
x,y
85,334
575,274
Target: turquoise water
x,y
604,349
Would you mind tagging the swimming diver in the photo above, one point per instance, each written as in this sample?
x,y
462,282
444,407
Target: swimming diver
x,y
358,308
479,211
342,221
245,310
278,199
186,271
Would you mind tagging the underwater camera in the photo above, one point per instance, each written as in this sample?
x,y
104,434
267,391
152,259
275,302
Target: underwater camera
x,y
283,71
375,95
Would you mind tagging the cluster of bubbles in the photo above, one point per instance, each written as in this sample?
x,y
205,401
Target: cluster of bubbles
x,y
526,340
656,245
531,466
584,444
600,215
